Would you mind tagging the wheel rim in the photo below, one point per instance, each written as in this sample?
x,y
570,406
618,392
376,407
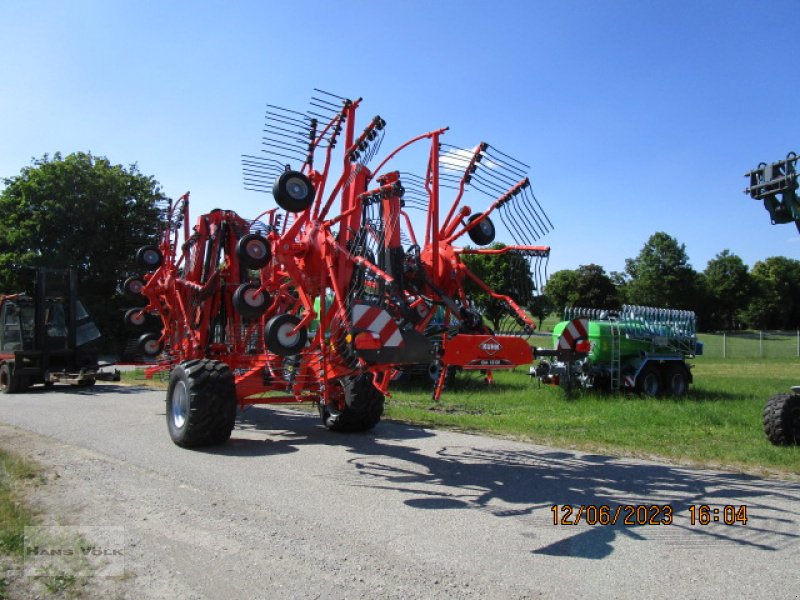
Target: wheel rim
x,y
485,227
151,257
296,188
137,319
284,336
151,347
254,298
180,405
135,287
256,249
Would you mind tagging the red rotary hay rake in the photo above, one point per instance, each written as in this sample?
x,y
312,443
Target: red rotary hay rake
x,y
305,303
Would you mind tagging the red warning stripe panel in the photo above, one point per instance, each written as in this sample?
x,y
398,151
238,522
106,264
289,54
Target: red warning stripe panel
x,y
577,329
373,318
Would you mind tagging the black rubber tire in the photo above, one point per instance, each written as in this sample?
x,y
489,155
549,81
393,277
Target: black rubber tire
x,y
253,251
782,419
201,403
134,318
649,383
132,287
149,257
676,379
363,406
9,384
293,191
149,344
484,233
249,304
276,335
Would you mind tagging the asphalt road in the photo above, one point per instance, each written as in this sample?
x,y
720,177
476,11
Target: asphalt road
x,y
287,509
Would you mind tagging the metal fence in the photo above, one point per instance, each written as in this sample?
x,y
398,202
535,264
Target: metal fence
x,y
751,344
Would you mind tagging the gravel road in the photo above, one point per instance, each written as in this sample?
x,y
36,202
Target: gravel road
x,y
287,509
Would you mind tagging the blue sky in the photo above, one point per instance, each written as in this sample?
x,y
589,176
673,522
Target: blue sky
x,y
635,117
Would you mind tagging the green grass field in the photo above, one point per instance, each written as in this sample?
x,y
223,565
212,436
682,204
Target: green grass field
x,y
717,424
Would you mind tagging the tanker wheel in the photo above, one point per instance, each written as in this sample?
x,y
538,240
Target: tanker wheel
x,y
253,251
782,419
648,383
9,384
249,301
279,337
484,233
201,403
676,380
363,405
149,257
293,191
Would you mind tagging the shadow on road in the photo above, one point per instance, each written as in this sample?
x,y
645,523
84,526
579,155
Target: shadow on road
x,y
516,483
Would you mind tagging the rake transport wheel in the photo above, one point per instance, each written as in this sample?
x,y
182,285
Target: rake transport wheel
x,y
253,251
149,257
201,403
132,287
150,344
648,383
363,405
676,379
782,419
134,318
293,191
279,337
484,233
249,301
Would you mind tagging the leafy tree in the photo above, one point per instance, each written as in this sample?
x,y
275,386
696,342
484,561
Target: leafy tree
x,y
661,275
587,286
729,287
78,212
507,273
775,304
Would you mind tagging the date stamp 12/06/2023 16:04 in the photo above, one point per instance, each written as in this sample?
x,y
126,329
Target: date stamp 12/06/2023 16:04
x,y
647,514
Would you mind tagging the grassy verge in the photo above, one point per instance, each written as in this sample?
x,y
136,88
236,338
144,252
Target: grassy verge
x,y
717,424
17,475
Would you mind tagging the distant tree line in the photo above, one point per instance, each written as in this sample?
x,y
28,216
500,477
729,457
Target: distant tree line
x,y
726,295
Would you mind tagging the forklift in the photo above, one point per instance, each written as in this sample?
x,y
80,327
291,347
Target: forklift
x,y
48,337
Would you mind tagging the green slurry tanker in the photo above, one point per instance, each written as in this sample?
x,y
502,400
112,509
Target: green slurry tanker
x,y
638,348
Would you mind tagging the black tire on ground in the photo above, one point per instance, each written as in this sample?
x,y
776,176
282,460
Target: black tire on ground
x,y
201,403
483,233
363,406
134,318
782,419
676,379
149,257
648,383
132,287
249,301
150,344
253,251
8,382
280,341
293,191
